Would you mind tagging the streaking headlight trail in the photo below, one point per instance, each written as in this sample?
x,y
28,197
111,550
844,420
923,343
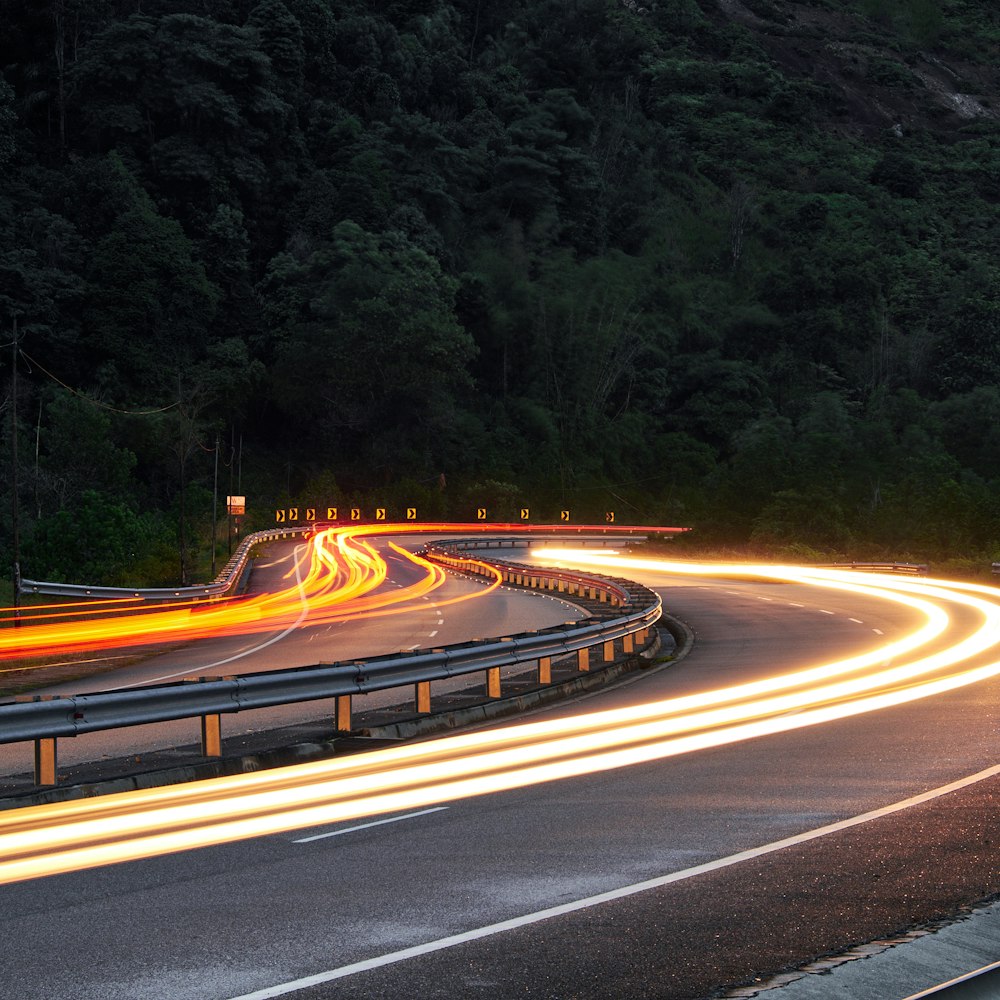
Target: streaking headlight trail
x,y
954,644
337,575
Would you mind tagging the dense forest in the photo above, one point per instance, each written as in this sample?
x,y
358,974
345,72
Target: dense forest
x,y
732,265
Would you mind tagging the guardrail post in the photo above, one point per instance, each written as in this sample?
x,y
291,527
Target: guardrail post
x,y
603,597
342,713
45,749
627,646
583,659
45,762
493,682
545,670
609,650
422,697
211,736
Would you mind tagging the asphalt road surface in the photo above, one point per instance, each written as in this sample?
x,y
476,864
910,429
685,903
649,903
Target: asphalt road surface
x,y
687,877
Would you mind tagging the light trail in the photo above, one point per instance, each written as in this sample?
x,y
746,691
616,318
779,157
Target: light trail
x,y
337,576
953,645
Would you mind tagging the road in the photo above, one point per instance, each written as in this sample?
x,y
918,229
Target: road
x,y
723,901
443,616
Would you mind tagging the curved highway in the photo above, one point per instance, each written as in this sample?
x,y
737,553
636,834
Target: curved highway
x,y
680,875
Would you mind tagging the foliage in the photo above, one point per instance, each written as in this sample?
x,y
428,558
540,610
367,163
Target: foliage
x,y
739,273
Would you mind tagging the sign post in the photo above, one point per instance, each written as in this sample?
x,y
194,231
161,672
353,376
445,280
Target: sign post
x,y
235,507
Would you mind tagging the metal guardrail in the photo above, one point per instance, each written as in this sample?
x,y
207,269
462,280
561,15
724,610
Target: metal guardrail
x,y
912,569
632,610
224,583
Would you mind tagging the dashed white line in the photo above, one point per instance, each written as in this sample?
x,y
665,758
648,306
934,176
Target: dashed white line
x,y
365,826
792,604
432,634
823,611
857,621
878,631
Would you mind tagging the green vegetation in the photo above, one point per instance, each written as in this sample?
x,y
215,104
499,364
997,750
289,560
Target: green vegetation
x,y
732,266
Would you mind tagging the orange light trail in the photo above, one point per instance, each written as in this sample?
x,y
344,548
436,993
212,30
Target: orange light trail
x,y
954,644
338,575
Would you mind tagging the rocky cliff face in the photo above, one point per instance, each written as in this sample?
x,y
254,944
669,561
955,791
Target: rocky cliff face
x,y
878,73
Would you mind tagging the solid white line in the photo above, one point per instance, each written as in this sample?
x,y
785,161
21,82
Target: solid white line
x,y
489,930
365,826
236,656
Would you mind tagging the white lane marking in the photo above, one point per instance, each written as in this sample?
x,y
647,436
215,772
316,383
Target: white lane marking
x,y
365,826
857,621
878,631
431,635
792,604
283,989
440,621
237,656
822,612
765,598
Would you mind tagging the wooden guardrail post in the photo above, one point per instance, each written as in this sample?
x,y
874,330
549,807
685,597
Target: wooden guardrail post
x,y
422,697
211,735
627,646
583,659
342,713
545,670
45,749
609,650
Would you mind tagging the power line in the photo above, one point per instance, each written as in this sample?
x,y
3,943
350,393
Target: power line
x,y
88,399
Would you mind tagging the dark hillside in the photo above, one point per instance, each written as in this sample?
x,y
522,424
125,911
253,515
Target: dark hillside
x,y
729,264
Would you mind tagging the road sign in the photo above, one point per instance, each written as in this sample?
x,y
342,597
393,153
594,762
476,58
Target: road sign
x,y
236,505
564,515
293,513
480,513
380,513
411,513
355,513
609,516
279,517
310,513
331,514
524,513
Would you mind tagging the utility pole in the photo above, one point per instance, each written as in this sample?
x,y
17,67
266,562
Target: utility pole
x,y
14,484
215,501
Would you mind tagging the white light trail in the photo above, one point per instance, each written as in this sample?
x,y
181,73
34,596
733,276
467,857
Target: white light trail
x,y
953,644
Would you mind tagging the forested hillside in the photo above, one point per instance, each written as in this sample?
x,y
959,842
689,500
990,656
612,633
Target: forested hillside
x,y
726,264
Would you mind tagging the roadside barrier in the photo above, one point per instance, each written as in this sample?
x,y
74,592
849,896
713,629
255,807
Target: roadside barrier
x,y
625,625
